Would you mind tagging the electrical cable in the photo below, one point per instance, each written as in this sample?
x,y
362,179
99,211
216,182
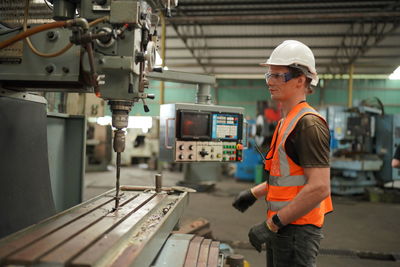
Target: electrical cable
x,y
26,33
259,152
97,21
29,43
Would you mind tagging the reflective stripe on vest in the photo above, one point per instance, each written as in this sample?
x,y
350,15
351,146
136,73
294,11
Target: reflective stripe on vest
x,y
286,177
295,180
284,164
277,205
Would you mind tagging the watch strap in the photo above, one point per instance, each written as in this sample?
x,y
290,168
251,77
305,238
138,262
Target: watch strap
x,y
277,221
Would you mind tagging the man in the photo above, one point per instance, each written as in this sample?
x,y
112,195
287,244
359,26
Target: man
x,y
298,188
396,158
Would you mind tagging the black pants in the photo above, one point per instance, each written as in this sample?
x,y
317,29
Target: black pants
x,y
294,246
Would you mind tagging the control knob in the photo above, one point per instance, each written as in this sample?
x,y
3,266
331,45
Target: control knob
x,y
203,153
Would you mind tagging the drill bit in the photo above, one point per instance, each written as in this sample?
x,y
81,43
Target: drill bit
x,y
117,180
120,118
119,147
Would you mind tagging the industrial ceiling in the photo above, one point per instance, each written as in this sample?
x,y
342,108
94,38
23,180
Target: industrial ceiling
x,y
230,37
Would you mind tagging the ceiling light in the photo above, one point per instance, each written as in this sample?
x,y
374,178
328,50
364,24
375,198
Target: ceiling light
x,y
140,122
395,75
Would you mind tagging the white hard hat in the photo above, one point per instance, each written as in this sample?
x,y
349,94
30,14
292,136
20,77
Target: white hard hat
x,y
294,53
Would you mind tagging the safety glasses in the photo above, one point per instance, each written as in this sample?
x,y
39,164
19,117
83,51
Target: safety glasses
x,y
278,77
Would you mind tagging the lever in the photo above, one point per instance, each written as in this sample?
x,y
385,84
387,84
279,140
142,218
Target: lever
x,y
160,70
146,108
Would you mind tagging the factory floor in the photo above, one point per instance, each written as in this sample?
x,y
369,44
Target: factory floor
x,y
355,224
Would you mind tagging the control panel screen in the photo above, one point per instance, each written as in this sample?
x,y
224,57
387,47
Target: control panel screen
x,y
195,125
225,126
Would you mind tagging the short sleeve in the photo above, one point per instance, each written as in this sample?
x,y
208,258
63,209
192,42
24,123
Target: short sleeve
x,y
397,153
309,143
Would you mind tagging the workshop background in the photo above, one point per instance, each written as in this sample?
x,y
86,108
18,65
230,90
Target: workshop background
x,y
357,50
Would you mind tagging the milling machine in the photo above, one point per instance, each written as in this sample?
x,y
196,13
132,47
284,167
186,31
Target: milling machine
x,y
103,47
107,50
363,140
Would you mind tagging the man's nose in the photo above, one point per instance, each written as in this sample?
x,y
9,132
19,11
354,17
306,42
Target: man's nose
x,y
270,82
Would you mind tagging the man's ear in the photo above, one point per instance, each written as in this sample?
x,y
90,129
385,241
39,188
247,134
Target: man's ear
x,y
301,80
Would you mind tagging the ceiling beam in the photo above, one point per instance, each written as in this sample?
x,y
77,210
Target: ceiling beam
x,y
280,35
184,39
372,65
256,57
278,23
254,11
354,47
286,17
279,2
269,47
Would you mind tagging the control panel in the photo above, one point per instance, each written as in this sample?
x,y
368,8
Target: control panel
x,y
201,133
208,151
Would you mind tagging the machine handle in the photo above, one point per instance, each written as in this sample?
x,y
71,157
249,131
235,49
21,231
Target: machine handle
x,y
246,126
166,145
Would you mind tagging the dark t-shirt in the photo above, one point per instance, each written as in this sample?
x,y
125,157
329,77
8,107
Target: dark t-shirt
x,y
397,153
308,143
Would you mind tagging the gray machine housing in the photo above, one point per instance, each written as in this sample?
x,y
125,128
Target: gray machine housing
x,y
116,62
387,139
174,149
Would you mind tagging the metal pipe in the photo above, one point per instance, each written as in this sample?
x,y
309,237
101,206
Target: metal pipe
x,y
350,86
203,95
158,178
163,52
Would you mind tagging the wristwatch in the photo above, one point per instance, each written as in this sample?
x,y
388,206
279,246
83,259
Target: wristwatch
x,y
277,221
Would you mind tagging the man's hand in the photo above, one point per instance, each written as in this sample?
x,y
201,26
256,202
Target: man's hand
x,y
271,226
259,235
244,200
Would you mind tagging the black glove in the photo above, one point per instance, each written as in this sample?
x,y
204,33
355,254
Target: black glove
x,y
259,235
244,200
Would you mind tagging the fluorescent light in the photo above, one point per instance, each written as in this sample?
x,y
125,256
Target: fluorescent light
x,y
143,122
395,75
158,60
106,120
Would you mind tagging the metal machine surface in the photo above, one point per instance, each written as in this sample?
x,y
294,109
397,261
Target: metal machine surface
x,y
387,139
197,133
93,234
189,250
108,48
105,47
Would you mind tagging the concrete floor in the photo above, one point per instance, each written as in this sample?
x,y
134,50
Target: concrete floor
x,y
354,224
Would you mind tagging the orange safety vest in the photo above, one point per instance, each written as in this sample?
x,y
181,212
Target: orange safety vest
x,y
287,178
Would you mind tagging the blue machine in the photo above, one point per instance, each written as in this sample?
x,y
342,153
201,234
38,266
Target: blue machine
x,y
246,170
